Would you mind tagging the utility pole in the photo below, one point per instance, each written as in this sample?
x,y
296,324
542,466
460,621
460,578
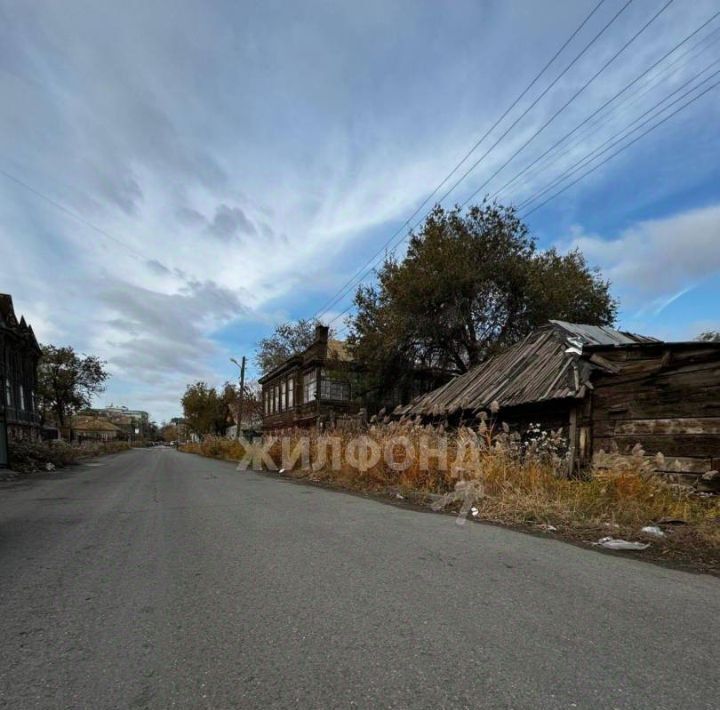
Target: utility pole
x,y
241,395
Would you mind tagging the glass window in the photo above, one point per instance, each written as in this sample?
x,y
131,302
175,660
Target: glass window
x,y
291,392
22,398
283,402
310,386
8,392
334,385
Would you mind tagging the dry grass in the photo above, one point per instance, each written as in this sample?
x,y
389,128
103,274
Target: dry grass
x,y
506,480
28,456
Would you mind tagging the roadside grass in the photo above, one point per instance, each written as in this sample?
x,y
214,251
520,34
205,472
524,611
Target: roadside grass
x,y
29,456
502,480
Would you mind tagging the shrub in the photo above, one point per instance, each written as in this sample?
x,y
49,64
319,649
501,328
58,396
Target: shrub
x,y
27,456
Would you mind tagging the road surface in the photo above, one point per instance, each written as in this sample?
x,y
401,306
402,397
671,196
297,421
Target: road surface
x,y
159,579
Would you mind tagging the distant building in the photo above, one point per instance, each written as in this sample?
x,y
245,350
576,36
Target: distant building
x,y
19,356
90,428
134,422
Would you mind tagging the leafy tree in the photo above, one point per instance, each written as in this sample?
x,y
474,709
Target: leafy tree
x,y
469,285
204,409
169,432
67,381
287,340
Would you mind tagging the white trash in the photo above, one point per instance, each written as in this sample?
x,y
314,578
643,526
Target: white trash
x,y
653,530
547,527
611,543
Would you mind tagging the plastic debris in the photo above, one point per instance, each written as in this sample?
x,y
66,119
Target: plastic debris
x,y
547,527
474,512
653,530
49,466
399,496
612,543
282,470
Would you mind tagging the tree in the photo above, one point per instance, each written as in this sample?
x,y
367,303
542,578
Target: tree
x,y
67,382
287,340
169,432
469,285
204,409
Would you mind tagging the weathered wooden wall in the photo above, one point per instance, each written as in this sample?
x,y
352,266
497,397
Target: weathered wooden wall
x,y
666,398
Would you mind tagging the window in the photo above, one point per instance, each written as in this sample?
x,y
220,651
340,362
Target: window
x,y
291,392
22,398
310,386
333,387
283,401
8,392
266,401
274,399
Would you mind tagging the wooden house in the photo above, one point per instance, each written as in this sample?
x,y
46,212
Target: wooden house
x,y
19,356
315,385
609,390
85,427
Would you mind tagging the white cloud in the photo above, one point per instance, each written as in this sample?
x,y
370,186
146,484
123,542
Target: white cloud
x,y
656,261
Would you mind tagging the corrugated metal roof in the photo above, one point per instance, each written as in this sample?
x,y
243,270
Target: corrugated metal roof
x,y
601,334
543,366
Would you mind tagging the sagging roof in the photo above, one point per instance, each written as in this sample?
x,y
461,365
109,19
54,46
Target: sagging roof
x,y
544,366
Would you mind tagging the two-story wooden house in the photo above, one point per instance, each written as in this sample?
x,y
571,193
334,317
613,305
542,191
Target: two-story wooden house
x,y
315,385
19,355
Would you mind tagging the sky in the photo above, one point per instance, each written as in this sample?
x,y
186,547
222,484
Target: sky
x,y
178,177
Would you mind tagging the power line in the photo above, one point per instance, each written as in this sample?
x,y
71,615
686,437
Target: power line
x,y
133,252
627,134
624,132
570,100
74,215
625,147
620,150
552,118
627,101
609,101
349,284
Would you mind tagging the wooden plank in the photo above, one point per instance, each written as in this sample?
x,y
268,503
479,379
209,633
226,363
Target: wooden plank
x,y
686,465
648,402
698,445
675,426
651,372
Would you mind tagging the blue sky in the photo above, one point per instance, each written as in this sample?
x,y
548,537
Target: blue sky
x,y
242,160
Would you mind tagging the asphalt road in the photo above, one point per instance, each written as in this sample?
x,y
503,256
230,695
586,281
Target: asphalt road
x,y
158,579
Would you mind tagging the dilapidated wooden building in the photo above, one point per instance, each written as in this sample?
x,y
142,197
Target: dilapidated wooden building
x,y
315,385
608,389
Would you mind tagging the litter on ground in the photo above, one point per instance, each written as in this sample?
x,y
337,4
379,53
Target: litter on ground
x,y
611,543
653,530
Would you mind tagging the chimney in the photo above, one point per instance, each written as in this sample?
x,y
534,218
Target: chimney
x,y
321,333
